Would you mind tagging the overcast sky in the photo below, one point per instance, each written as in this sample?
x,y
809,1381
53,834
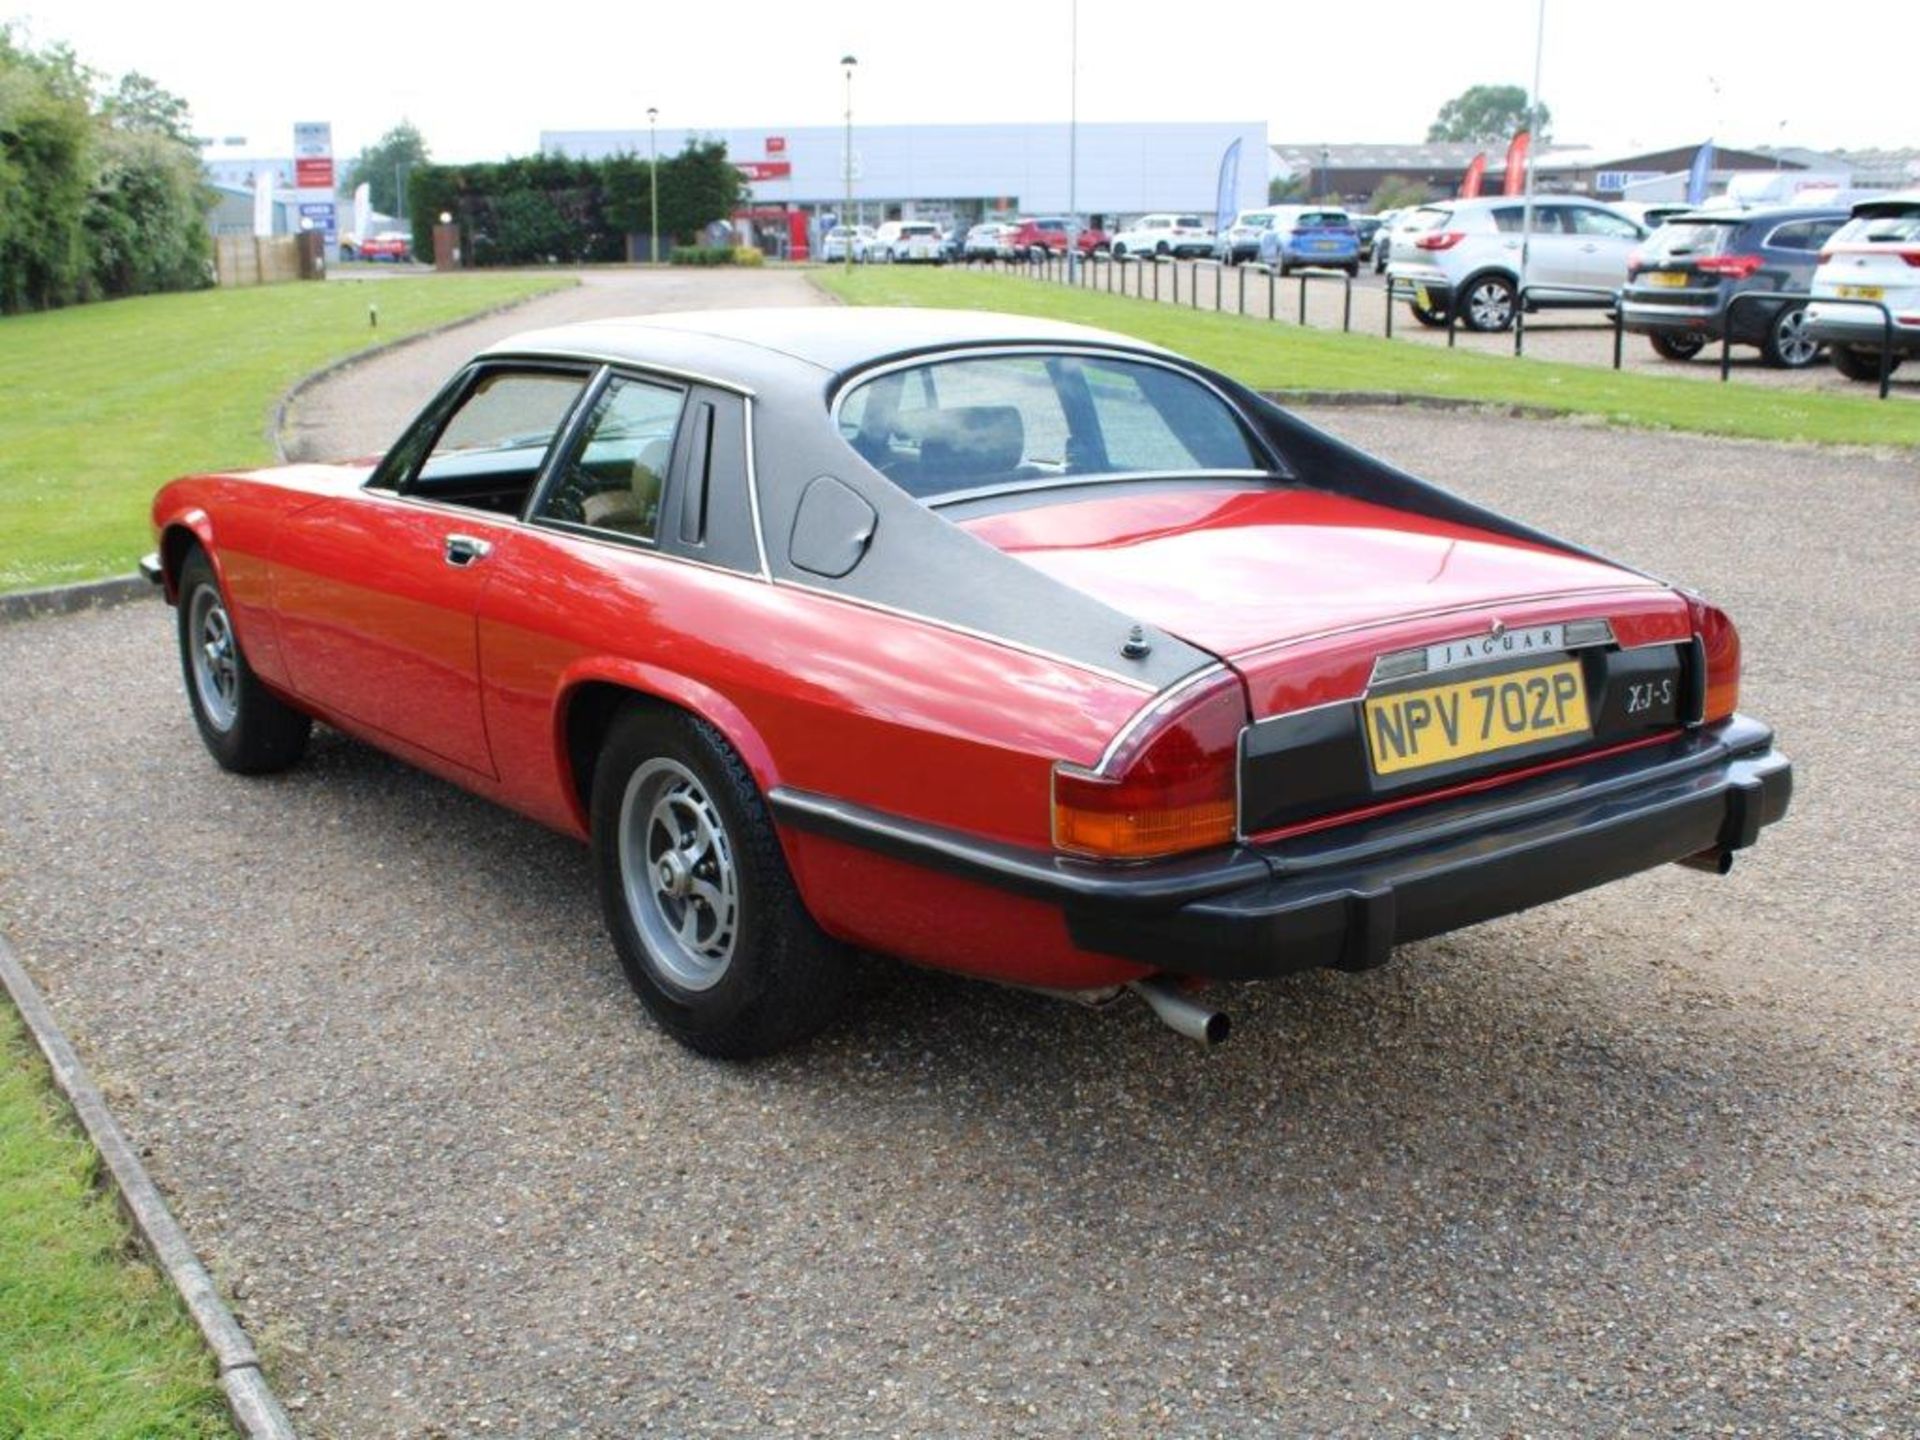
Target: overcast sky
x,y
482,81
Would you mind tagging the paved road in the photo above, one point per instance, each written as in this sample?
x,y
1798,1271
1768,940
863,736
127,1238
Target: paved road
x,y
1576,336
1641,1162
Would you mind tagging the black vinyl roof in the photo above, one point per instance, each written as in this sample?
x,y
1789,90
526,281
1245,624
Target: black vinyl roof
x,y
750,348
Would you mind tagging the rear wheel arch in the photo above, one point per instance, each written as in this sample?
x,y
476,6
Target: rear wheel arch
x,y
592,701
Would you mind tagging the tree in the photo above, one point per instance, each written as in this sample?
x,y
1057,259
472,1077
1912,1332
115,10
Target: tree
x,y
697,187
141,107
380,166
1487,115
1286,189
146,216
46,164
1396,192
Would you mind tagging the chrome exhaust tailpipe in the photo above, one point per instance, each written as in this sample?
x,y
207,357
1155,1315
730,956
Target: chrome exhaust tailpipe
x,y
1714,862
1181,1012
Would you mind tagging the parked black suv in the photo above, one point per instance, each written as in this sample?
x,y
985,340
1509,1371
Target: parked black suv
x,y
1679,285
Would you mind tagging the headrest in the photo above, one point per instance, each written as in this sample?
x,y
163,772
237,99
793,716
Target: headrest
x,y
971,441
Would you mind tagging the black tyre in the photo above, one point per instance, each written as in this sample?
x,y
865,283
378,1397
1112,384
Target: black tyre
x,y
1434,317
1788,345
697,896
1487,304
1163,249
1353,270
246,727
1677,347
1857,363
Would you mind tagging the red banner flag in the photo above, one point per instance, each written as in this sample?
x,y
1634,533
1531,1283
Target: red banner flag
x,y
1517,165
1476,172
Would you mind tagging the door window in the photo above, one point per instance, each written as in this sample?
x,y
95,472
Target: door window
x,y
491,450
1604,224
613,478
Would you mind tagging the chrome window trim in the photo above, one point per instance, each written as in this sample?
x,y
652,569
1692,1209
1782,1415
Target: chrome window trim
x,y
852,380
750,423
1061,482
618,361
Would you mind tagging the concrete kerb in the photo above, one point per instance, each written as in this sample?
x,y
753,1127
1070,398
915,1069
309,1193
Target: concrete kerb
x,y
70,599
255,1409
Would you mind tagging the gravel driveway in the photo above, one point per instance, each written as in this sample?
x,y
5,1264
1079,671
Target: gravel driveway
x,y
1640,1162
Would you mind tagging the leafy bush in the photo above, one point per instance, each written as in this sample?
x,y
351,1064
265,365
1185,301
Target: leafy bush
x,y
748,256
701,255
548,207
100,194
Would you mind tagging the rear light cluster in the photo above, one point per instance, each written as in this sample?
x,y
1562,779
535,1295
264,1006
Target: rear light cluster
x,y
1169,789
1721,642
1439,240
1736,267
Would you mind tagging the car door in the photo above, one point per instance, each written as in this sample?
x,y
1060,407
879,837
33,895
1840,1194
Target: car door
x,y
377,592
1553,250
1603,241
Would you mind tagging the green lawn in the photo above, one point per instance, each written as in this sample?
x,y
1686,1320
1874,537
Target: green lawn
x,y
93,1341
100,404
1283,356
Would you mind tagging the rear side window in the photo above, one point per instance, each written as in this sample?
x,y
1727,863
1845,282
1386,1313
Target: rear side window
x,y
953,427
1802,235
613,478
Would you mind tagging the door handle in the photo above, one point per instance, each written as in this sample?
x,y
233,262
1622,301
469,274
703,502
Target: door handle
x,y
463,550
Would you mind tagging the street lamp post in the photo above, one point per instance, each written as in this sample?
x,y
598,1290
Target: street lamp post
x,y
653,186
1073,141
847,62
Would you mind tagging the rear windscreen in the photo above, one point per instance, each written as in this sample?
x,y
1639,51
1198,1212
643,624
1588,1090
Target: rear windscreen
x,y
1881,229
1323,219
1691,237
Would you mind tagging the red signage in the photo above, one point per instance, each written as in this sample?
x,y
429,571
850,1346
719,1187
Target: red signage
x,y
758,170
776,144
1476,175
313,174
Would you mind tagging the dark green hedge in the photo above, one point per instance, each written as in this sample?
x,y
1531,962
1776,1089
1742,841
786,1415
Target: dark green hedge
x,y
541,209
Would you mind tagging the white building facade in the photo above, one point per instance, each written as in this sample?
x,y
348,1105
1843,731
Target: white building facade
x,y
964,173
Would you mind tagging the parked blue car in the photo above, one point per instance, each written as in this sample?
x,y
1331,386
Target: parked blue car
x,y
1311,235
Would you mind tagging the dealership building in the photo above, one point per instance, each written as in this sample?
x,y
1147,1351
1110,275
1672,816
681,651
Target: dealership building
x,y
960,174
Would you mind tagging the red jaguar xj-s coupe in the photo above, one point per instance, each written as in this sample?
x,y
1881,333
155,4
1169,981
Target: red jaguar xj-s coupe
x,y
1014,648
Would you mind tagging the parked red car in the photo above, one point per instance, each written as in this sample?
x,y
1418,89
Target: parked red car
x,y
1004,646
1038,238
387,245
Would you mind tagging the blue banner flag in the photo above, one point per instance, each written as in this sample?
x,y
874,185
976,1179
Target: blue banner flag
x,y
1700,177
1223,202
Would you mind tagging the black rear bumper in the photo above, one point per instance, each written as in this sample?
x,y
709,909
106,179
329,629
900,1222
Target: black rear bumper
x,y
1344,897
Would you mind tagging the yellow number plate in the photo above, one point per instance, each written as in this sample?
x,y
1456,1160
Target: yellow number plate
x,y
1418,728
1862,292
1672,279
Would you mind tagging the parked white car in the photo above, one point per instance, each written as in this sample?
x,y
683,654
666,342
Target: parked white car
x,y
1399,230
987,242
1165,234
834,248
906,242
1874,256
1241,240
1469,252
